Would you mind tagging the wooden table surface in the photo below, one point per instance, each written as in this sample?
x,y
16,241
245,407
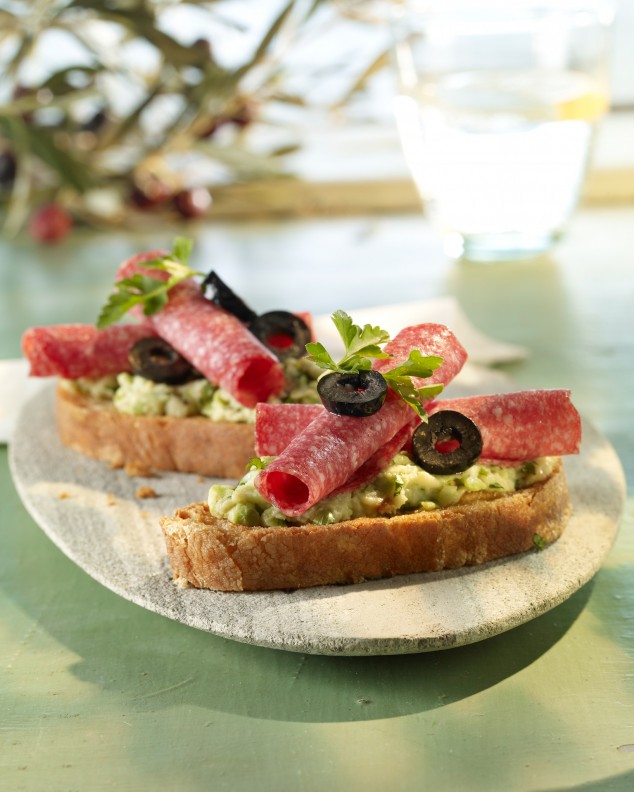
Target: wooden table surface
x,y
98,693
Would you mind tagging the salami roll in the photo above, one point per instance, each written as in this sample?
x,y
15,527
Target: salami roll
x,y
132,265
214,341
277,424
381,458
429,339
80,350
327,453
332,448
522,425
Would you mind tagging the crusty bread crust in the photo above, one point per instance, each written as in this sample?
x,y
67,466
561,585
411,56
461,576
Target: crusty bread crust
x,y
143,444
209,552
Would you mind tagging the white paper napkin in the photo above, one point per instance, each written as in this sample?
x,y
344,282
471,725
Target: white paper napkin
x,y
481,349
16,386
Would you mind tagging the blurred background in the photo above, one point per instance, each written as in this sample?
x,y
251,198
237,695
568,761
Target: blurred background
x,y
132,113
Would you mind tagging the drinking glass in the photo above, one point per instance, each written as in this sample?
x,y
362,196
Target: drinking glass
x,y
497,108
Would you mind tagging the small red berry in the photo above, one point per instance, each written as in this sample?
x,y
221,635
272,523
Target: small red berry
x,y
192,203
50,223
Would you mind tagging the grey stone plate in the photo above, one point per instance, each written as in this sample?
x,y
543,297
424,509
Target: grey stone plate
x,y
93,515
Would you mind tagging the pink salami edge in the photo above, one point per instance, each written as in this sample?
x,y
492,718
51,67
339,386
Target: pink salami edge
x,y
214,341
327,453
332,448
381,458
80,350
132,266
429,339
522,425
277,424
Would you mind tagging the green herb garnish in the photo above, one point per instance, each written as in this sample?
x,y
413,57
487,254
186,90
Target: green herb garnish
x,y
144,290
362,344
259,463
539,542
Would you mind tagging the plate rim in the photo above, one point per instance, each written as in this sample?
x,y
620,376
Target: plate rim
x,y
145,596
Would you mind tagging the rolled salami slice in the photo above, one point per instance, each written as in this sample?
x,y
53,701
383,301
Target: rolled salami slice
x,y
133,265
277,424
327,453
214,341
522,425
333,447
381,458
429,339
80,350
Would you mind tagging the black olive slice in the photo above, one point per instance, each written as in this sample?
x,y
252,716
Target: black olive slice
x,y
226,298
358,393
454,431
284,333
156,360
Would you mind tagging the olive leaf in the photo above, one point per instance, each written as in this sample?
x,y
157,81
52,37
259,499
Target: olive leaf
x,y
62,157
75,172
268,38
61,82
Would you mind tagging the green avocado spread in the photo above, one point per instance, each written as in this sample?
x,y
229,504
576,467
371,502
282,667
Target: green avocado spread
x,y
401,488
135,395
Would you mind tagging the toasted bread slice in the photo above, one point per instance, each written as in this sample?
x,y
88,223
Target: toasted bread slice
x,y
142,444
210,552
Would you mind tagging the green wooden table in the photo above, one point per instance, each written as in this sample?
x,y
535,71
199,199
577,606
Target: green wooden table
x,y
98,693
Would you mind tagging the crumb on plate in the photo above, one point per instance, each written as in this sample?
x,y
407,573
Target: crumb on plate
x,y
135,470
146,492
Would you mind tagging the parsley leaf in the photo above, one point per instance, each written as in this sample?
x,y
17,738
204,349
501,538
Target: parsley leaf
x,y
411,394
259,463
399,379
364,343
416,365
183,247
151,293
361,344
319,356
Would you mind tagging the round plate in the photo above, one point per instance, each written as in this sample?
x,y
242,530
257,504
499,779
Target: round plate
x,y
94,515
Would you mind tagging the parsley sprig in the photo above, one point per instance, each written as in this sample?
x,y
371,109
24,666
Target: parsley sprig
x,y
362,345
144,290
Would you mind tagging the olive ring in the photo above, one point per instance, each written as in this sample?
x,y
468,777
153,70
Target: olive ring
x,y
283,333
443,426
156,360
223,296
356,393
